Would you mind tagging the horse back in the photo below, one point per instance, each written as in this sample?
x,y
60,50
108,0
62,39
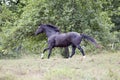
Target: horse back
x,y
65,39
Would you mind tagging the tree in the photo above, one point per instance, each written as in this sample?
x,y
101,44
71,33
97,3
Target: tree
x,y
20,19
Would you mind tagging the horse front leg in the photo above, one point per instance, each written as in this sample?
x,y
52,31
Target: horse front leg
x,y
42,55
45,49
50,50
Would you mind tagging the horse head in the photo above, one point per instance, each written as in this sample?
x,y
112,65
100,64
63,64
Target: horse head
x,y
39,30
48,29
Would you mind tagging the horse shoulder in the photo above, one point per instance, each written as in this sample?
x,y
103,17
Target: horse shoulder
x,y
51,38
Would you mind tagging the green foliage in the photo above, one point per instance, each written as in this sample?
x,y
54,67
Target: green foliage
x,y
19,19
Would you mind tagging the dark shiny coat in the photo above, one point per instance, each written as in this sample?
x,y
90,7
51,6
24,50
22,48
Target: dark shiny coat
x,y
57,39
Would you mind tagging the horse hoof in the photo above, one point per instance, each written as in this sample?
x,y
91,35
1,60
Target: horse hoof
x,y
84,57
42,56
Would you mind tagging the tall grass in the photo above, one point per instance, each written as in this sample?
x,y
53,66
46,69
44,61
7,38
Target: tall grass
x,y
103,66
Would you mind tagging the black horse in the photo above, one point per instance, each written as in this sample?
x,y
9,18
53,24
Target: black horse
x,y
57,39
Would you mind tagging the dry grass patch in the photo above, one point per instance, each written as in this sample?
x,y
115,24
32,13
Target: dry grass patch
x,y
105,66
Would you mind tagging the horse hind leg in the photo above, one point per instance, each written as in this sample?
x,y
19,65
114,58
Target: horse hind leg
x,y
81,50
73,51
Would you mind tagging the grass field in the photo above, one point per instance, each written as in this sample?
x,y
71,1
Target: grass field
x,y
104,66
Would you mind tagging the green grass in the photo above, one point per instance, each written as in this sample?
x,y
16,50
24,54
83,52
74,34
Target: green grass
x,y
104,66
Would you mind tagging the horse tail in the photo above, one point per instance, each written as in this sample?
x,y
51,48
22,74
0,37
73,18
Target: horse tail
x,y
89,39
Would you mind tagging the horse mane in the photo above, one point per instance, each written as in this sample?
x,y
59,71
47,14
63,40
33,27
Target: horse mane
x,y
53,27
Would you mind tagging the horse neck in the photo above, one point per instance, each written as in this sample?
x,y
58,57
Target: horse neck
x,y
50,33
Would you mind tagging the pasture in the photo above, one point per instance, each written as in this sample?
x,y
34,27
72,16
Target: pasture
x,y
103,66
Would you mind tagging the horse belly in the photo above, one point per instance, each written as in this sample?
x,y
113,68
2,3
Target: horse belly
x,y
62,42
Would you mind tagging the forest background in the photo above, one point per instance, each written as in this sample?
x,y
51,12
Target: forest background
x,y
20,18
